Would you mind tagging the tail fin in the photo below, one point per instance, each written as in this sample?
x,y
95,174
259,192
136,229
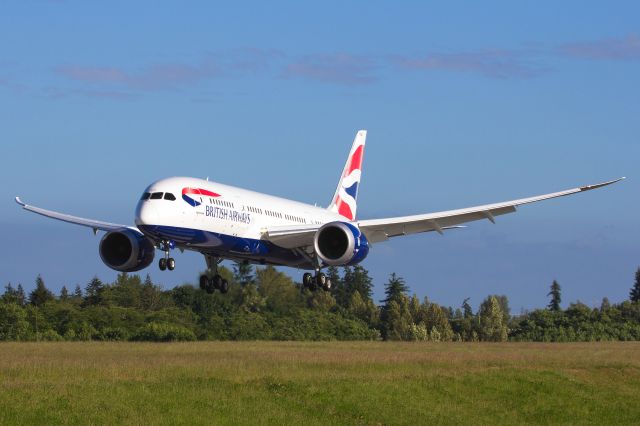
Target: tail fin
x,y
344,200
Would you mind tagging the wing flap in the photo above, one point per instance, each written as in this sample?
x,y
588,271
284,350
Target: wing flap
x,y
291,237
90,223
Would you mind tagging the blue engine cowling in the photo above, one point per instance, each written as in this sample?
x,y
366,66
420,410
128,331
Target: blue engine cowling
x,y
126,250
340,244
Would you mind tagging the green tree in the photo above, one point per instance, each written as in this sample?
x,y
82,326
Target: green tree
x,y
492,326
280,293
94,292
126,291
64,294
634,294
21,298
338,288
243,273
554,304
77,294
41,294
10,294
395,317
361,282
13,322
437,319
466,308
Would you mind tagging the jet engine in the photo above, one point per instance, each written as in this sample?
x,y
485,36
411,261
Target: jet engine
x,y
340,244
126,250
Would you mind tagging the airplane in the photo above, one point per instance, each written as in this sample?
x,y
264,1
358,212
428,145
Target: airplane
x,y
226,222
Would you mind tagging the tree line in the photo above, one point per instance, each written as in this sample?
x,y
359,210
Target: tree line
x,y
266,304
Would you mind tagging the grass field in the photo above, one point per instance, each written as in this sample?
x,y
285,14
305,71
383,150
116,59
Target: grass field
x,y
319,383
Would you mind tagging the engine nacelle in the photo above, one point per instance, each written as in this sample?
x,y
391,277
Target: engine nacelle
x,y
340,244
126,250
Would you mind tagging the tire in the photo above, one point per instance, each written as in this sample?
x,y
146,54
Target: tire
x,y
162,264
327,285
203,282
224,286
171,264
321,279
307,280
217,282
210,287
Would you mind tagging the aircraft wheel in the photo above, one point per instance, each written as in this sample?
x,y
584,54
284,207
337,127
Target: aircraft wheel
x,y
162,264
217,282
307,280
327,285
210,288
321,279
224,286
171,264
203,282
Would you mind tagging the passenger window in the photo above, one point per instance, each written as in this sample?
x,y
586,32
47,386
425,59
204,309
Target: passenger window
x,y
156,196
145,196
169,196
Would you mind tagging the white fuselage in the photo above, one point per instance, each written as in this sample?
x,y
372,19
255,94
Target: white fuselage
x,y
214,218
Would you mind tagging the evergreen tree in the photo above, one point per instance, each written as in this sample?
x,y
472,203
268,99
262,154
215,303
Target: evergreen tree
x,y
466,307
394,289
338,287
64,294
395,317
10,294
243,273
492,326
150,295
93,293
77,294
362,282
554,304
41,294
21,298
634,294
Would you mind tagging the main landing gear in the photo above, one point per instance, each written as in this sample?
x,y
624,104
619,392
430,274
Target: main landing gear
x,y
211,280
319,281
166,262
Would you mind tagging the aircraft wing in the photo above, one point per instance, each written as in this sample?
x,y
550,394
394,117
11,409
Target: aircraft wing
x,y
376,230
94,224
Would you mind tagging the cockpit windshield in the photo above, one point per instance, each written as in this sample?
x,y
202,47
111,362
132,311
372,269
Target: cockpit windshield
x,y
158,196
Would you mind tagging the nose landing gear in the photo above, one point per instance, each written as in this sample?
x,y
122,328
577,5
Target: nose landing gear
x,y
167,262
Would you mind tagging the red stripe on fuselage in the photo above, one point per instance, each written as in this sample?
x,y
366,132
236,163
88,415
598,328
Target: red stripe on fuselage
x,y
199,191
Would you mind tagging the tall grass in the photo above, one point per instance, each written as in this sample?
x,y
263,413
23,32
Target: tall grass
x,y
319,383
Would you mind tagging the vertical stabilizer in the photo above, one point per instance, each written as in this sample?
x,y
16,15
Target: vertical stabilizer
x,y
344,200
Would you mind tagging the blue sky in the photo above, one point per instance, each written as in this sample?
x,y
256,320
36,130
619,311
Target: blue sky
x,y
464,104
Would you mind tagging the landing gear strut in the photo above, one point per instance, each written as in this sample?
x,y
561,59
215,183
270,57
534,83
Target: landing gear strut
x,y
319,281
211,280
167,262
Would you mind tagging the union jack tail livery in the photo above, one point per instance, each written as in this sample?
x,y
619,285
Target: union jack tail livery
x,y
344,200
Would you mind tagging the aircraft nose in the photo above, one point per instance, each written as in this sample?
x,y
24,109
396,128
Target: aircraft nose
x,y
146,214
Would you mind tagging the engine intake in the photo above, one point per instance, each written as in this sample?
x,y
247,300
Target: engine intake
x,y
340,244
126,250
